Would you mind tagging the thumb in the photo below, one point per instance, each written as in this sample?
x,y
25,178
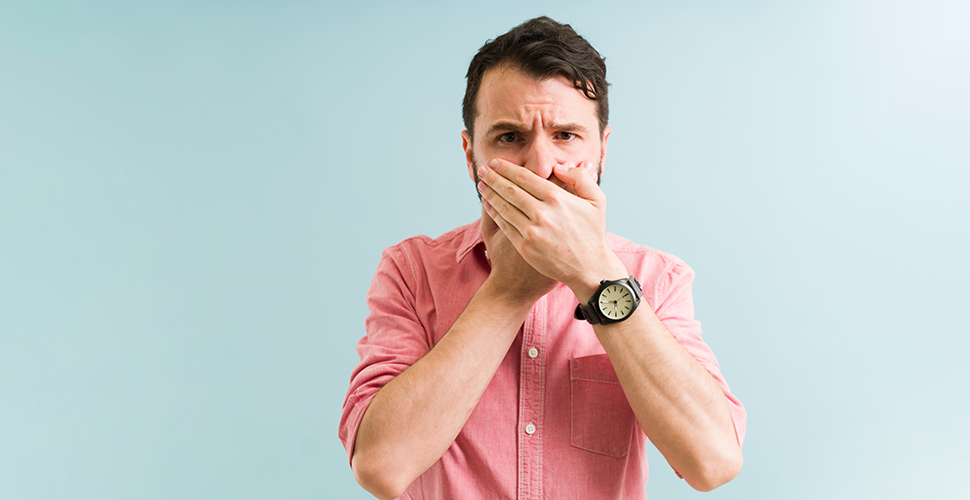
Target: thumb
x,y
488,227
582,181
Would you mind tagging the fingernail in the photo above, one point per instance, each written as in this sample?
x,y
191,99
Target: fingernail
x,y
562,168
494,162
482,171
481,186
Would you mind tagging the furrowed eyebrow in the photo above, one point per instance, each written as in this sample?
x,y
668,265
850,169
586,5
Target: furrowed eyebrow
x,y
515,127
569,127
504,127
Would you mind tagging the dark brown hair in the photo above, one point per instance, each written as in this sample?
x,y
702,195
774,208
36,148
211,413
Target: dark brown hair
x,y
541,48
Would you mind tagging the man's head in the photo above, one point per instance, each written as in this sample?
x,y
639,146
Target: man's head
x,y
536,97
540,48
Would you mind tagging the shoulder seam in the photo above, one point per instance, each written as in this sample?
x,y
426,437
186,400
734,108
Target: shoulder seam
x,y
662,283
407,257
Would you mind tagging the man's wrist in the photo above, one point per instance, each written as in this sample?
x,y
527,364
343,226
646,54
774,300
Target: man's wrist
x,y
606,267
585,287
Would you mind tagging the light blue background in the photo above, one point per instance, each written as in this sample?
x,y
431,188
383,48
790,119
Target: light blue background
x,y
194,195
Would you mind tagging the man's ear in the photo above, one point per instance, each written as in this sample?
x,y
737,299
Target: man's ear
x,y
606,136
466,144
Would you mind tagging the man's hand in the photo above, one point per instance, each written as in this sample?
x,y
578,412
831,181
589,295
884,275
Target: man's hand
x,y
510,272
558,226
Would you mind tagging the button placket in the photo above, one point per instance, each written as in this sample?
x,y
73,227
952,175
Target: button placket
x,y
531,400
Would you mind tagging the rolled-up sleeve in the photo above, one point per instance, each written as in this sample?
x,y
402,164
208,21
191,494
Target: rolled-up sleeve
x,y
396,338
676,311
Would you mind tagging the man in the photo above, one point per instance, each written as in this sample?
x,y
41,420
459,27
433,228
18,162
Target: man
x,y
476,379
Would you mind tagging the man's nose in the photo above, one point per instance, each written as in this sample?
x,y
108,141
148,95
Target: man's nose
x,y
540,157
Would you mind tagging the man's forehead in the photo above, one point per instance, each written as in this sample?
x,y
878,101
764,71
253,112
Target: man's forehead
x,y
509,96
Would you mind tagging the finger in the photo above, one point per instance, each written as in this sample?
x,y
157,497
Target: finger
x,y
491,229
504,228
499,196
507,189
523,178
562,185
581,180
505,215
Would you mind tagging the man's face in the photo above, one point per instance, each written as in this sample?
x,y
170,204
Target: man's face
x,y
534,123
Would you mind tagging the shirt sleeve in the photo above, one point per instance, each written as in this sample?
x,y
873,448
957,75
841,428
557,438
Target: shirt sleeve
x,y
395,339
676,311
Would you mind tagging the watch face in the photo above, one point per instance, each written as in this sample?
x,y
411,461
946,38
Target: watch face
x,y
616,302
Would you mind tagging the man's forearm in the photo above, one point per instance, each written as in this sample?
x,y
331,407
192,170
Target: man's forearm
x,y
677,402
413,420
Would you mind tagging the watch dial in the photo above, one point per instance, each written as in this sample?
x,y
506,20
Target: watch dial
x,y
616,302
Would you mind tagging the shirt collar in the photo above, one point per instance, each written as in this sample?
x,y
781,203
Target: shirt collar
x,y
472,238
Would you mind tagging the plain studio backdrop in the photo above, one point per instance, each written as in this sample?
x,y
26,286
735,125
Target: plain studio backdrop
x,y
194,196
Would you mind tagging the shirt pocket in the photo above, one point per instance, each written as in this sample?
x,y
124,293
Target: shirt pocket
x,y
600,417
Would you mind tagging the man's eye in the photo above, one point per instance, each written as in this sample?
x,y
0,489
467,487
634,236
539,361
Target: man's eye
x,y
567,136
507,137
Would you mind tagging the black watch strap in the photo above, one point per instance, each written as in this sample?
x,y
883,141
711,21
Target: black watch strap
x,y
587,312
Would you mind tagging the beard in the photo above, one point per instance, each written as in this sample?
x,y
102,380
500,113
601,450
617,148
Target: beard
x,y
551,178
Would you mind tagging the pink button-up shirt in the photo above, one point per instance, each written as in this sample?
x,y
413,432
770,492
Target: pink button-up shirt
x,y
553,422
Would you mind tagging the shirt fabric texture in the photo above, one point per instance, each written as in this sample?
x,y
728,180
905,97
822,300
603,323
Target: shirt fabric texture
x,y
553,422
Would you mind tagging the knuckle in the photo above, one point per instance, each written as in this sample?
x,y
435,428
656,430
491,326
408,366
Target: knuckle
x,y
539,217
508,191
554,197
543,215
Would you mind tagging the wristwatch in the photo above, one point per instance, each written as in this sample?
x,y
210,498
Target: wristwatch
x,y
614,301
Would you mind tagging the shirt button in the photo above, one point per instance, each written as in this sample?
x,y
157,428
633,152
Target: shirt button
x,y
530,429
533,352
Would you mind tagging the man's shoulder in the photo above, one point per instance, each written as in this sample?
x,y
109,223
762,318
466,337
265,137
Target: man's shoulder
x,y
648,264
621,245
452,242
422,259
